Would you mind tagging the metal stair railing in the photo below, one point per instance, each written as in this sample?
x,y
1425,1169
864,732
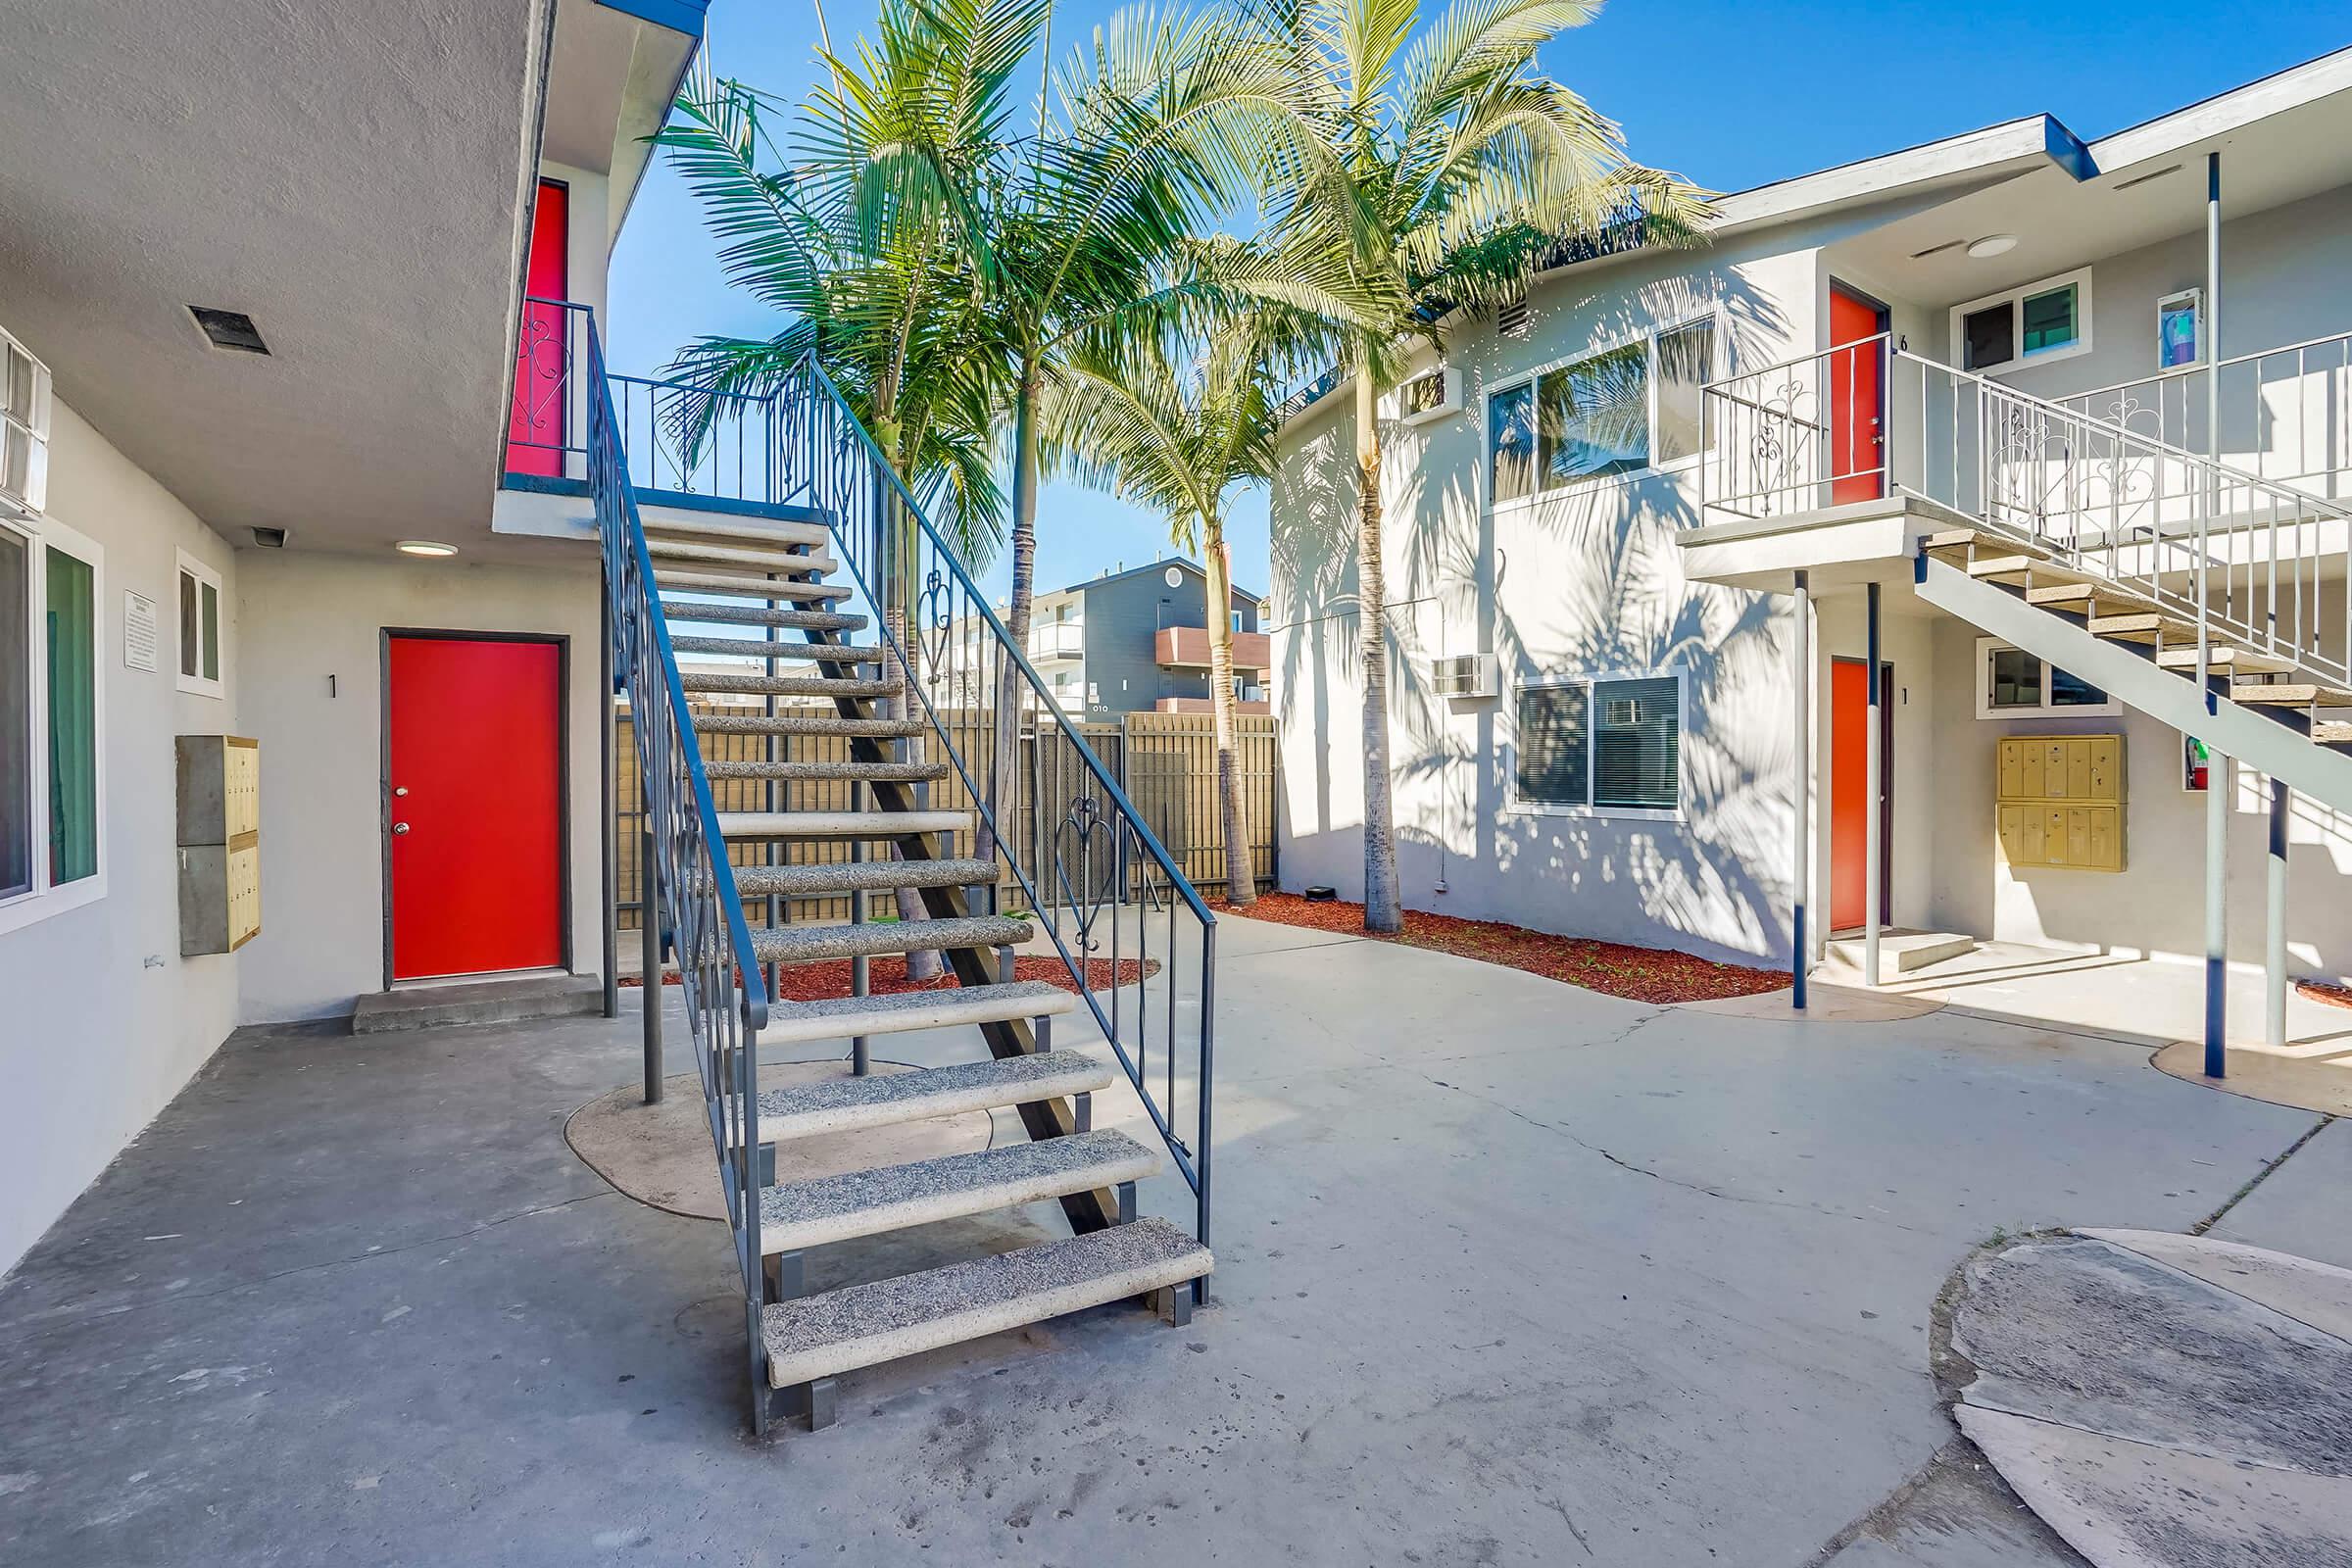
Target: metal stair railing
x,y
1132,932
694,895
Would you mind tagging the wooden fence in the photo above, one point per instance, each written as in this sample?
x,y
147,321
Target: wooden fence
x,y
1166,763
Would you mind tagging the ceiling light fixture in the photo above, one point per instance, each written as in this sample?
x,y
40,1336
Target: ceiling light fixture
x,y
424,547
1991,245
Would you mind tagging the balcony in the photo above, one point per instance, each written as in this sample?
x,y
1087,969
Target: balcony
x,y
1202,704
1187,647
1056,641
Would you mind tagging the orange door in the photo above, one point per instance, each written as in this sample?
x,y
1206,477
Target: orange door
x,y
1849,789
1857,471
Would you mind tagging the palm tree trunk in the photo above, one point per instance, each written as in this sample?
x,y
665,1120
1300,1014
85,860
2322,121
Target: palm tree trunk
x,y
924,965
1241,876
1383,909
1002,775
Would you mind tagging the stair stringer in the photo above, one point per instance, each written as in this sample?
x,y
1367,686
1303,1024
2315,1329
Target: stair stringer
x,y
2255,740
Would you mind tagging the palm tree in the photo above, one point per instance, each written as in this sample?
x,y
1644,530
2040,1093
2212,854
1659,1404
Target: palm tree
x,y
1178,440
1460,172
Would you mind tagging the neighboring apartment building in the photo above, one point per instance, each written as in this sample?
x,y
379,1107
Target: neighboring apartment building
x,y
263,272
1136,640
1962,386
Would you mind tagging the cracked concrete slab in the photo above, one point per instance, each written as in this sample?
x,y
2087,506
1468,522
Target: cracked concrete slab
x,y
2126,1504
2165,1400
2300,1208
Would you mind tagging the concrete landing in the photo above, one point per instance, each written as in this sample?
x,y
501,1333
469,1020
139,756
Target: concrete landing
x,y
2163,1400
1902,952
474,1001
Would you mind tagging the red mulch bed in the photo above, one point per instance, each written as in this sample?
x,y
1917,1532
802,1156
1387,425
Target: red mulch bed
x,y
1638,974
886,977
2334,996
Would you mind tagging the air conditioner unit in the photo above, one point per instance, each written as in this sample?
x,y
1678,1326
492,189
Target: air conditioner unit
x,y
1431,395
1464,675
23,431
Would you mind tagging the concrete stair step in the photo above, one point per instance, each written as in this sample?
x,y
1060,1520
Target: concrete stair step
x,y
2289,694
863,1325
777,531
763,588
1952,545
739,825
883,1100
466,1002
760,647
2090,598
1900,951
693,609
810,943
2144,626
679,552
2224,658
2013,566
845,1017
849,876
702,680
2332,732
809,724
797,1215
821,773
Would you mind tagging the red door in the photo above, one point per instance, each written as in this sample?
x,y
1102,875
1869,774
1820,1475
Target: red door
x,y
1850,791
1857,471
474,757
535,428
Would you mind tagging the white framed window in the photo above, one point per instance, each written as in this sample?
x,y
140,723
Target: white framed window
x,y
2036,325
2012,683
1623,408
1607,746
52,721
1238,617
199,624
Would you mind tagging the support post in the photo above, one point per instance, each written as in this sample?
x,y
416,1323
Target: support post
x,y
1801,679
860,979
1875,790
2217,772
2273,955
649,929
608,816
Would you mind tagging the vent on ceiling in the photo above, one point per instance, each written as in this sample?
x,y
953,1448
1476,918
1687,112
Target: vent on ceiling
x,y
2142,179
229,329
269,538
1510,321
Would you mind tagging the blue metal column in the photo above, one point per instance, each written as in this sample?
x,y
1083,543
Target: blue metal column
x,y
2274,957
2217,772
1801,678
1874,852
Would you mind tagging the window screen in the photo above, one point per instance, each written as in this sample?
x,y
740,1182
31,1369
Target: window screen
x,y
1593,416
1551,745
1637,742
73,615
1990,335
2049,319
1511,441
16,713
1686,363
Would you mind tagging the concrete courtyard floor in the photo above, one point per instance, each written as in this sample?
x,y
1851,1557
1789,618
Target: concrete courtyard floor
x,y
1509,1272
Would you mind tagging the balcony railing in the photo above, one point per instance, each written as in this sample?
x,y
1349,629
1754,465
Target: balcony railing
x,y
1057,639
1869,420
1187,647
547,427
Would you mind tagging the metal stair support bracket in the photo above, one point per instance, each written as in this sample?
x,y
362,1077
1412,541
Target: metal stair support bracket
x,y
2257,740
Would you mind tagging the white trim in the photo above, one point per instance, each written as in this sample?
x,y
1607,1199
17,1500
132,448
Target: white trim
x,y
217,687
1987,645
1513,804
45,898
2079,279
1647,337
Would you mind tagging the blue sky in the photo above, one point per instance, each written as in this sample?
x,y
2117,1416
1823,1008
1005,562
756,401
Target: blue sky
x,y
1730,95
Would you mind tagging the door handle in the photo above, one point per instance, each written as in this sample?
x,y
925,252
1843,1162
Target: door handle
x,y
400,827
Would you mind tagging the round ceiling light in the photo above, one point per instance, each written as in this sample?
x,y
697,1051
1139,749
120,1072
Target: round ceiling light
x,y
424,547
1991,245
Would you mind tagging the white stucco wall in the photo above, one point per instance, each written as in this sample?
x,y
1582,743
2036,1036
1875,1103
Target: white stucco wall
x,y
1587,580
101,1019
312,667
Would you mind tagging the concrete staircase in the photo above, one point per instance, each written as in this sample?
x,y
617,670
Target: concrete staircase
x,y
773,575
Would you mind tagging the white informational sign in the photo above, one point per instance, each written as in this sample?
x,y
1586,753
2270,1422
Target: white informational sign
x,y
139,631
